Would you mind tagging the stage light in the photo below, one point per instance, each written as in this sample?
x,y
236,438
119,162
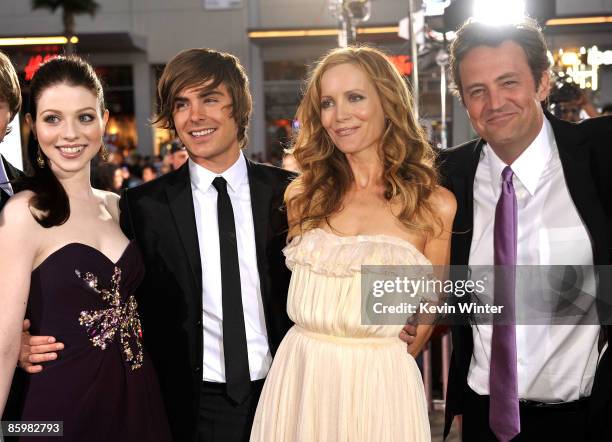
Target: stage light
x,y
569,59
498,12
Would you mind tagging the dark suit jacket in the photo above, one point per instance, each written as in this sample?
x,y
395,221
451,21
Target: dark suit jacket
x,y
12,174
160,216
585,151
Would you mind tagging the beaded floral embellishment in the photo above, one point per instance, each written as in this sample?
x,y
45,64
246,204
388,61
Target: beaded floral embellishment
x,y
120,318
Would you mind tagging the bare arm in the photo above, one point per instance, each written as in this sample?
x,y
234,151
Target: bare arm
x,y
19,247
437,250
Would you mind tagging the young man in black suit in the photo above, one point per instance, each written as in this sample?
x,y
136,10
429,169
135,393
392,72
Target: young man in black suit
x,y
557,383
213,300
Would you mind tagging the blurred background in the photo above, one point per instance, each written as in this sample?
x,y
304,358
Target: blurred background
x,y
129,43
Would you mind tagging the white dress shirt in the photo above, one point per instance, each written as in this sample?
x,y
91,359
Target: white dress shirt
x,y
556,363
205,205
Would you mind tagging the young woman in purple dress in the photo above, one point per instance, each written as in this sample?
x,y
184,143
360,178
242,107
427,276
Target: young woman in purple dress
x,y
66,266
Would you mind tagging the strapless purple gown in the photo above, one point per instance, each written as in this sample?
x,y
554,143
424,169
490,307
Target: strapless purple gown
x,y
102,386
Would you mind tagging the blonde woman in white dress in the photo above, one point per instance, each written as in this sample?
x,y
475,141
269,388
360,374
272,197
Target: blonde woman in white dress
x,y
368,195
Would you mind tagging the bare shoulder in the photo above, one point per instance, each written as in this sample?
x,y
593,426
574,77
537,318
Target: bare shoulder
x,y
443,203
17,222
111,202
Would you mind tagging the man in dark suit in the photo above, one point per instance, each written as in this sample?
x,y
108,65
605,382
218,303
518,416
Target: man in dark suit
x,y
533,190
213,304
10,103
213,300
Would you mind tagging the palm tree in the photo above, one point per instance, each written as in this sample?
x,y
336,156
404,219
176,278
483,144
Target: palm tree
x,y
70,9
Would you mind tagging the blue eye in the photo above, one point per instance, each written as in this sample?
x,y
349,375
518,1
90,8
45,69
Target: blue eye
x,y
87,118
51,119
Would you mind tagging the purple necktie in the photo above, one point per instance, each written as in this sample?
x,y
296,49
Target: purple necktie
x,y
504,418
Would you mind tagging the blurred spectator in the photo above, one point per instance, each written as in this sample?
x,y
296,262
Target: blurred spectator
x,y
570,103
178,155
606,109
289,163
166,165
149,173
129,177
107,176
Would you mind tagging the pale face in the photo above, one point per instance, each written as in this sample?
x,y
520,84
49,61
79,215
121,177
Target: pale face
x,y
5,118
351,111
501,97
204,123
69,127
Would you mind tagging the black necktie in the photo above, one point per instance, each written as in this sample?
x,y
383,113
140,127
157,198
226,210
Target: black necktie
x,y
237,375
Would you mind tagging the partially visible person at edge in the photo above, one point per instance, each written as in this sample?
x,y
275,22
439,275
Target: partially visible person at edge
x,y
65,260
367,195
10,103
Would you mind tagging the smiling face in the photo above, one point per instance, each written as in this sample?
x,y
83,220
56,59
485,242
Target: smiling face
x,y
69,126
501,97
204,123
351,111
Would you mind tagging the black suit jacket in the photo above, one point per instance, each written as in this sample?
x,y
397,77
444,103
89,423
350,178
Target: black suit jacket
x,y
585,151
12,173
160,216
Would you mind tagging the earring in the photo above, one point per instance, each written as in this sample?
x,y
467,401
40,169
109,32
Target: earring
x,y
104,152
40,159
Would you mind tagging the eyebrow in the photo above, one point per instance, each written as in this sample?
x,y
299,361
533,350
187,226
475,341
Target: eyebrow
x,y
201,94
502,77
88,108
352,91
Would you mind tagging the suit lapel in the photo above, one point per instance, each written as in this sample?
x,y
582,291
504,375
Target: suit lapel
x,y
261,197
11,172
462,181
575,159
180,200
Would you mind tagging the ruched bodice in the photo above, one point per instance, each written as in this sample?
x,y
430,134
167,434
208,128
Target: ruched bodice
x,y
325,290
334,379
102,386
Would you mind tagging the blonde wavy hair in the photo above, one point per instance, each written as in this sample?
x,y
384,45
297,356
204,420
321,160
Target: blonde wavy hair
x,y
408,160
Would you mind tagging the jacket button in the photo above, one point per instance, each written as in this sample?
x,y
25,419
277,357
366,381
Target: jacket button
x,y
197,369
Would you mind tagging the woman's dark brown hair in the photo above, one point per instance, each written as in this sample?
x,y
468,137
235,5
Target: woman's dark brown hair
x,y
50,200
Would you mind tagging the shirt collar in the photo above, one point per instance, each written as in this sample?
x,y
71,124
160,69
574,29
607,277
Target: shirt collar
x,y
235,175
529,166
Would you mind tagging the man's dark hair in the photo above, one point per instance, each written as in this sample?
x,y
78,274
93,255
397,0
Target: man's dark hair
x,y
195,67
527,34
